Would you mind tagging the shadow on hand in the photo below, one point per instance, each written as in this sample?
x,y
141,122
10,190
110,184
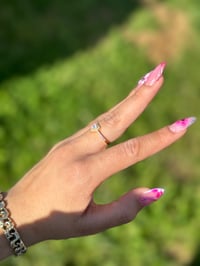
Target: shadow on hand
x,y
37,33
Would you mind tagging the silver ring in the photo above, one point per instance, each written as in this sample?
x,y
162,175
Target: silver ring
x,y
96,128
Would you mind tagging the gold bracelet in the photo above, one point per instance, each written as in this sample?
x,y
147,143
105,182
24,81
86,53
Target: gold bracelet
x,y
12,235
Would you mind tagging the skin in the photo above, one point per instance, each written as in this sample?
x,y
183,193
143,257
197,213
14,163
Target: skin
x,y
54,200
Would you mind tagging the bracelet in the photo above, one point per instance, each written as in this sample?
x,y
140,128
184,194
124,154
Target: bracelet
x,y
12,235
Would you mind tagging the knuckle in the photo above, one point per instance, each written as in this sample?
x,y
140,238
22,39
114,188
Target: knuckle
x,y
132,147
126,216
162,137
60,151
82,173
112,118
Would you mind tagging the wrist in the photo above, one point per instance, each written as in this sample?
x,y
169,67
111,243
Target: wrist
x,y
16,233
20,211
8,228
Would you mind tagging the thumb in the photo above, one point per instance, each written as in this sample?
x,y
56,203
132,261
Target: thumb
x,y
124,210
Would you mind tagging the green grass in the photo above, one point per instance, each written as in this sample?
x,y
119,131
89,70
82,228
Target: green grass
x,y
45,97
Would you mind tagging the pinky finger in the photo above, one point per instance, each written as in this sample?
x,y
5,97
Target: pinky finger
x,y
101,217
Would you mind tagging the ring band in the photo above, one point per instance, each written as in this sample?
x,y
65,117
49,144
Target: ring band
x,y
96,128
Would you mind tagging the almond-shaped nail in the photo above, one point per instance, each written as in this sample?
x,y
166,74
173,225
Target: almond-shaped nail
x,y
182,124
150,78
151,195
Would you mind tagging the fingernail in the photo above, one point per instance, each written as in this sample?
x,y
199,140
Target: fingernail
x,y
182,124
151,195
150,78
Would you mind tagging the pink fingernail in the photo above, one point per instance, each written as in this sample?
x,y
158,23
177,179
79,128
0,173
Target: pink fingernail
x,y
182,124
151,195
150,78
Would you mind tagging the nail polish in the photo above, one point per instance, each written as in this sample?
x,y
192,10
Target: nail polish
x,y
151,195
150,78
182,124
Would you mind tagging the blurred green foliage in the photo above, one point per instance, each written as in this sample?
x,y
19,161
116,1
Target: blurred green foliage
x,y
64,63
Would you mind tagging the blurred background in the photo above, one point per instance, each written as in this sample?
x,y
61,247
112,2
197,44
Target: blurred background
x,y
64,62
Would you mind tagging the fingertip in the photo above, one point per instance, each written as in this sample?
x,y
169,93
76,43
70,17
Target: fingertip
x,y
151,195
153,76
182,124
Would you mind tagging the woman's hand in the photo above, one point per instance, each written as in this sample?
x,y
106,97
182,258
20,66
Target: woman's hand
x,y
54,200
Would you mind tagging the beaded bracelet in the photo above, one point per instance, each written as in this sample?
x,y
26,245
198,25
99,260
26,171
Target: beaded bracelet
x,y
7,225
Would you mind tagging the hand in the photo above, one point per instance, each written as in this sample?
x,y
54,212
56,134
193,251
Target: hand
x,y
54,200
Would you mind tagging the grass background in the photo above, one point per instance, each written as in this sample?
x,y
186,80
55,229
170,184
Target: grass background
x,y
62,63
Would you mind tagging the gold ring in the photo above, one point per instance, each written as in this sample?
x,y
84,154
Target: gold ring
x,y
96,128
